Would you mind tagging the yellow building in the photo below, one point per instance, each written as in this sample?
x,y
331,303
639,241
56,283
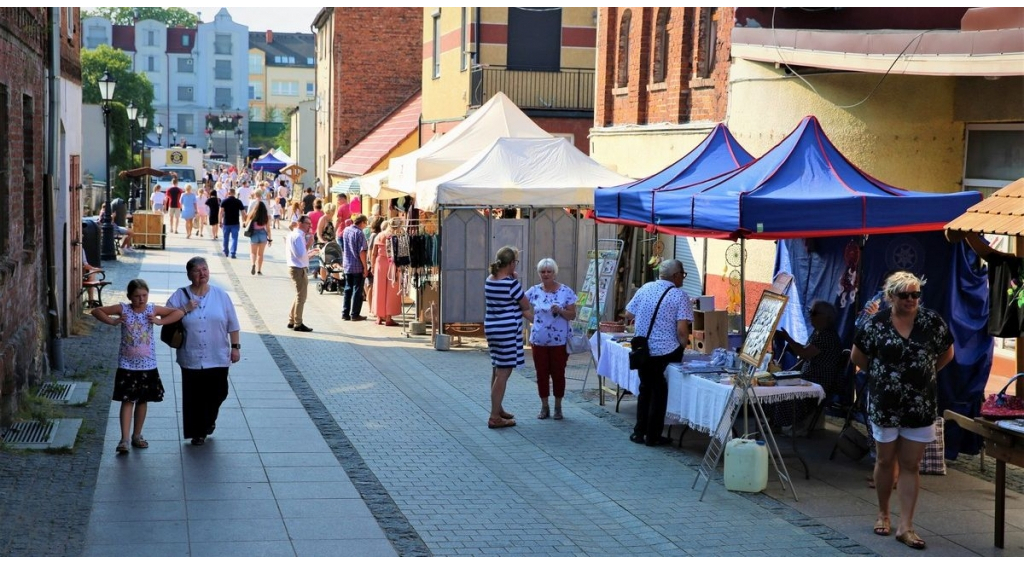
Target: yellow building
x,y
543,59
282,73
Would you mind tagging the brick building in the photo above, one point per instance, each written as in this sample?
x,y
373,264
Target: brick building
x,y
367,65
23,323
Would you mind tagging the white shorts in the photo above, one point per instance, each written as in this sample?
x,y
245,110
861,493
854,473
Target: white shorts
x,y
916,434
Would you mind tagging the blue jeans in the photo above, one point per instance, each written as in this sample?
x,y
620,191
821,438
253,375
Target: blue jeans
x,y
230,233
353,303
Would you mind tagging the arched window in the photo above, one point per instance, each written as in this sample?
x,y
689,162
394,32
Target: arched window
x,y
622,79
660,58
708,41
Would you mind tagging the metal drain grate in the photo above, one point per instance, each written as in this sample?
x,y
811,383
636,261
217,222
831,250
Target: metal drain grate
x,y
56,391
29,432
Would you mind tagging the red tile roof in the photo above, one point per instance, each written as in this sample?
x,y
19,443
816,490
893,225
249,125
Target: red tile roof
x,y
376,146
174,35
123,37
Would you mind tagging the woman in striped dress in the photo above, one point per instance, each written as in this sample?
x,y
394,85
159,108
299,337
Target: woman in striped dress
x,y
507,305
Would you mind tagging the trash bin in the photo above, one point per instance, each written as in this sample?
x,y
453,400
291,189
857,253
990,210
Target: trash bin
x,y
91,241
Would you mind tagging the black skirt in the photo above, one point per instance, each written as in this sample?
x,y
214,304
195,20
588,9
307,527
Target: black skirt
x,y
142,386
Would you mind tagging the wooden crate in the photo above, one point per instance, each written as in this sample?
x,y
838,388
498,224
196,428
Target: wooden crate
x,y
710,330
148,230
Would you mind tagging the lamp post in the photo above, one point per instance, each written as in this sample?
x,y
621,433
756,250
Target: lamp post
x,y
143,122
174,137
241,138
159,134
107,85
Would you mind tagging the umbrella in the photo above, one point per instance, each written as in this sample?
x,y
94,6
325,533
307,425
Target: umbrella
x,y
140,172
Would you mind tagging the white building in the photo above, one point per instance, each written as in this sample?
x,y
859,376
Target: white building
x,y
196,73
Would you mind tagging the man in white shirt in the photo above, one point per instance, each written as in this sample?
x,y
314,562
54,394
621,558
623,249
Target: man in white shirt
x,y
245,194
298,265
667,333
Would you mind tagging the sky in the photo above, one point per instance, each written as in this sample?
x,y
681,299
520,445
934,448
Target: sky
x,y
272,16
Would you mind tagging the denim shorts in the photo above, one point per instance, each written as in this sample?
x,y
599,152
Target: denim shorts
x,y
258,236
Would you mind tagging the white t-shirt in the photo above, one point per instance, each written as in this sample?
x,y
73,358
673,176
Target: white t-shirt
x,y
158,199
244,194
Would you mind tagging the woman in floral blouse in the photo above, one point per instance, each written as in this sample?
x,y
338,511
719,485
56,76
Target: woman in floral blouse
x,y
902,348
554,306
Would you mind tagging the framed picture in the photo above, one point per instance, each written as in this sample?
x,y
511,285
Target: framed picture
x,y
762,327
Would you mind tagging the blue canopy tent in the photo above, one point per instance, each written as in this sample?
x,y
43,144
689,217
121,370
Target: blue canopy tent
x,y
803,187
632,203
269,163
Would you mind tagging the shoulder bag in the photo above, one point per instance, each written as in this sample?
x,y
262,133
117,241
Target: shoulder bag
x,y
639,352
174,333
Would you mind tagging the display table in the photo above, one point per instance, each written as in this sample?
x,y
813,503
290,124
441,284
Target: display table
x,y
699,403
613,363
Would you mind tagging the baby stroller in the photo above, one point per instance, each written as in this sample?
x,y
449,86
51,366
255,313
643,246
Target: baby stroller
x,y
331,259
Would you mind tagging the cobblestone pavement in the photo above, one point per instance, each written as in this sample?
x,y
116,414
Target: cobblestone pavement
x,y
45,497
408,425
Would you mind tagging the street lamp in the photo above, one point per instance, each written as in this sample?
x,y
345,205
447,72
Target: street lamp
x,y
107,250
241,139
143,122
133,113
159,134
174,136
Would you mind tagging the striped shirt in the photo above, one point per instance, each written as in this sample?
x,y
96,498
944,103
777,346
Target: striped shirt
x,y
503,321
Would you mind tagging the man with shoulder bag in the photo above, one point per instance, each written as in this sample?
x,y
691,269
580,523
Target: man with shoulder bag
x,y
663,314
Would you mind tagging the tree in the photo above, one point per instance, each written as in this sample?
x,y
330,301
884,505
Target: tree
x,y
131,88
173,17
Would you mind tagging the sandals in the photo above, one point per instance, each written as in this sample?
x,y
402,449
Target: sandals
x,y
558,414
122,447
139,442
545,412
500,423
506,415
910,538
883,527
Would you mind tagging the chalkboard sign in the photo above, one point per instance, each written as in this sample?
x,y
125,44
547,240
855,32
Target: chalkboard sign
x,y
762,327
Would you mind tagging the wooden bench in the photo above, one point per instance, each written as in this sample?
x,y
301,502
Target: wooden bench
x,y
98,285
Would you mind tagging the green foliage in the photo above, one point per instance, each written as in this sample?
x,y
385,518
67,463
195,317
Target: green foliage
x,y
173,17
284,139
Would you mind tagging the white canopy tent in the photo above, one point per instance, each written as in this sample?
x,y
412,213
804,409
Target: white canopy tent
x,y
499,117
282,156
520,172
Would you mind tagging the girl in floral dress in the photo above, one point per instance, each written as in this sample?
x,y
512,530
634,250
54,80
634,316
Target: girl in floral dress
x,y
136,382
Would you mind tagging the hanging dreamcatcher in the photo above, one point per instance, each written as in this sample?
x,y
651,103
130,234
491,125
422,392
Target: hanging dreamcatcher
x,y
735,255
656,249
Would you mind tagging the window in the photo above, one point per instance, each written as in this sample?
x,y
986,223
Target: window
x,y
95,36
222,69
185,39
222,44
464,35
660,58
622,74
436,53
257,113
994,156
157,94
150,38
186,125
186,65
256,63
534,39
708,41
255,90
309,61
28,155
222,98
151,64
186,94
284,88
5,167
69,15
310,89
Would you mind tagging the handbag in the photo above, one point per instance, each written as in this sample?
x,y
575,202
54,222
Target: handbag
x,y
639,352
1003,406
934,459
853,443
173,334
577,344
248,230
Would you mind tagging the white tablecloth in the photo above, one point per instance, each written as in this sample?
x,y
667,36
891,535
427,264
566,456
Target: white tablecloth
x,y
699,403
614,363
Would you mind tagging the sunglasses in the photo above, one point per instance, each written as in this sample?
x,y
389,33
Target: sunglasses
x,y
906,295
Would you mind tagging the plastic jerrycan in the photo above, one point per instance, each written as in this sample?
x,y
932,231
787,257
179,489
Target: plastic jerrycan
x,y
746,465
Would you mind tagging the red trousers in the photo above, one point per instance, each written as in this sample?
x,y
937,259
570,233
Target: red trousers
x,y
550,363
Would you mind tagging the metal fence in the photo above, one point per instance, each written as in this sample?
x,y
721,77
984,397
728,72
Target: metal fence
x,y
566,89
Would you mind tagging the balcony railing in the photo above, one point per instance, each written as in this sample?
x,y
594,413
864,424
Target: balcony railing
x,y
567,89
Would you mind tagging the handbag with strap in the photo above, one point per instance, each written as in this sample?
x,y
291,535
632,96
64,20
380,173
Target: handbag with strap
x,y
1002,405
248,230
173,334
577,343
639,352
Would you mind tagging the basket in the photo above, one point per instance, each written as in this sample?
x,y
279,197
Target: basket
x,y
613,327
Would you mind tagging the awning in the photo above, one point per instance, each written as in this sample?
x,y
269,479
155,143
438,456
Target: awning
x,y
373,185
